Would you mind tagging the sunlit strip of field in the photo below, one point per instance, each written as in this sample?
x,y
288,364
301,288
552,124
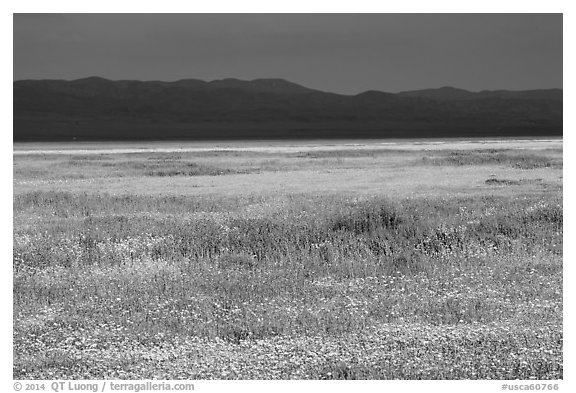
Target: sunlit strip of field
x,y
278,146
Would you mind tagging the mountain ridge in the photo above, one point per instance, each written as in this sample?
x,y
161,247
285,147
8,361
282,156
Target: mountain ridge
x,y
93,107
240,83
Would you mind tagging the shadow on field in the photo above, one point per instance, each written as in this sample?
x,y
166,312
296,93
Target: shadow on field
x,y
512,158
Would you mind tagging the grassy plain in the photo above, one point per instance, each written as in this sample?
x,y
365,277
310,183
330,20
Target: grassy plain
x,y
332,264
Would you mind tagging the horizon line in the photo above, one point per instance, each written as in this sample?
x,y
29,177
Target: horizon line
x,y
283,80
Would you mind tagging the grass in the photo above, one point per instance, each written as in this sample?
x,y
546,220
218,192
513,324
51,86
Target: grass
x,y
515,159
292,285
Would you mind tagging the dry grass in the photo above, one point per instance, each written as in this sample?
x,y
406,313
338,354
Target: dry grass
x,y
394,174
264,278
514,158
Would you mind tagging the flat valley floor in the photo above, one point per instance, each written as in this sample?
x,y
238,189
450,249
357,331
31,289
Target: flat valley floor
x,y
323,260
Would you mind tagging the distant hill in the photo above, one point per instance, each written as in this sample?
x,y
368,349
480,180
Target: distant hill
x,y
451,93
443,93
97,108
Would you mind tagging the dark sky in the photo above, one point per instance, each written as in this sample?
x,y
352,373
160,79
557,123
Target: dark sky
x,y
344,53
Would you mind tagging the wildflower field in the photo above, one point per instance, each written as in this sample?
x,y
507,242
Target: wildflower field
x,y
330,265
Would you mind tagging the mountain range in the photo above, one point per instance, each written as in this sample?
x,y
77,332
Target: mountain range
x,y
99,109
